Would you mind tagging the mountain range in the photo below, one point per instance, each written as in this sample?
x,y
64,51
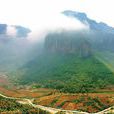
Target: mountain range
x,y
82,17
64,58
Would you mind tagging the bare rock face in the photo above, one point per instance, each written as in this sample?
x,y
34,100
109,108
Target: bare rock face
x,y
68,43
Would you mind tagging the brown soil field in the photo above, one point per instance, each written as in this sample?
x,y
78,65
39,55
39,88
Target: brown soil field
x,y
25,92
93,102
90,103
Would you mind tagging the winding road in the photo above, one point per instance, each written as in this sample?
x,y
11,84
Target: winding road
x,y
54,110
48,109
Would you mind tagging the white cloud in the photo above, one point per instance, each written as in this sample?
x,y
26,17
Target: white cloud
x,y
30,13
56,23
43,14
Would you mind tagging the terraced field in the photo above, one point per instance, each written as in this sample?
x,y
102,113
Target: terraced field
x,y
92,103
25,93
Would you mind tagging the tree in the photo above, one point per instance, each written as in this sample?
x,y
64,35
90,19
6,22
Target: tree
x,y
82,84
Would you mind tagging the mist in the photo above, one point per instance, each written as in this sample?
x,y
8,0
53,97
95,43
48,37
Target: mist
x,y
57,24
17,51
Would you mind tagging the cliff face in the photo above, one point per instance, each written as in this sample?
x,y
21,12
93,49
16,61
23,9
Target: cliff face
x,y
68,43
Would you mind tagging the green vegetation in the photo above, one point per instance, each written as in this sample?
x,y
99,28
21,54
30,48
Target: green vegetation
x,y
68,73
96,103
12,105
106,57
54,101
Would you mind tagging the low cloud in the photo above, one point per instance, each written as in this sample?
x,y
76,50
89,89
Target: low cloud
x,y
56,23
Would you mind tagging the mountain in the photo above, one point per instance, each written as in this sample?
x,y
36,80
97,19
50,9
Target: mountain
x,y
20,30
69,61
92,23
101,35
68,43
69,58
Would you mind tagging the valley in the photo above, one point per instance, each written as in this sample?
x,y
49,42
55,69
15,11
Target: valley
x,y
60,88
61,102
43,99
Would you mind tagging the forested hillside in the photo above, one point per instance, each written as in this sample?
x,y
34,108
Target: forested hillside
x,y
65,72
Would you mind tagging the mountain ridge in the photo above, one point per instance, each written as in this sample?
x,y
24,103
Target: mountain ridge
x,y
92,23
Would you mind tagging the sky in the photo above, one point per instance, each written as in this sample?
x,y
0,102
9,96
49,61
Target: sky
x,y
38,13
30,13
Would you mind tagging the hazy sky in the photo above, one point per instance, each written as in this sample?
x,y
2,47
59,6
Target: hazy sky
x,y
31,13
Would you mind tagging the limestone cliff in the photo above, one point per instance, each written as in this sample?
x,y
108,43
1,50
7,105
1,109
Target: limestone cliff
x,y
68,43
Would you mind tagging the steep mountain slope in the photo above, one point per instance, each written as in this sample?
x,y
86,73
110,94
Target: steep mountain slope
x,y
100,35
68,58
64,72
70,43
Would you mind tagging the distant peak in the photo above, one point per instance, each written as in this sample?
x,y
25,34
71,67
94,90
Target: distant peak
x,y
80,15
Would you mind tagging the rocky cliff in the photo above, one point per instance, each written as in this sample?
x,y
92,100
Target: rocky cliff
x,y
68,43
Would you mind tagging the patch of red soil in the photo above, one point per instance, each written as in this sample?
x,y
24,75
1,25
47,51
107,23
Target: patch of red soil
x,y
91,103
22,92
69,106
65,98
47,100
